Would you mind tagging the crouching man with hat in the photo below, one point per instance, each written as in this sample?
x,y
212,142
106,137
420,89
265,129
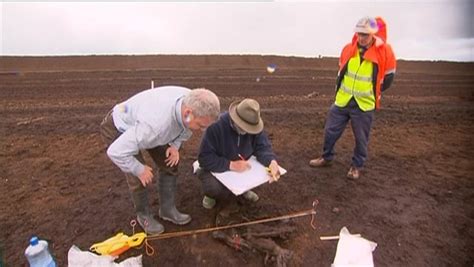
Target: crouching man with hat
x,y
227,145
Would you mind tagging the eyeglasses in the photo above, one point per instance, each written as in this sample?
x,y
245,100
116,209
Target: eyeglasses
x,y
237,128
202,127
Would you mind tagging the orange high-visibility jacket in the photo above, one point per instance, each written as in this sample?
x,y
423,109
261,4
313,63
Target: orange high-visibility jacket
x,y
379,53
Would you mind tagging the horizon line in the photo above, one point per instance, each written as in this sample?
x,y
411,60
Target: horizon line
x,y
249,54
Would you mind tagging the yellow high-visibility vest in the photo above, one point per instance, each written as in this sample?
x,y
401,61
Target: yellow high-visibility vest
x,y
357,83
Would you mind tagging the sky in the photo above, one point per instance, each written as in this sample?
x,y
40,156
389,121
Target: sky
x,y
417,30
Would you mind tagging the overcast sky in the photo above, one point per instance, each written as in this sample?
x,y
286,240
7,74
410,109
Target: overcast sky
x,y
425,30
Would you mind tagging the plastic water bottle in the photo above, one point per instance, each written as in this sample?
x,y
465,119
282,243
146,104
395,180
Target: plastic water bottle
x,y
38,254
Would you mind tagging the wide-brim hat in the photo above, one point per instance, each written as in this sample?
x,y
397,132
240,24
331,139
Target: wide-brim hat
x,y
246,114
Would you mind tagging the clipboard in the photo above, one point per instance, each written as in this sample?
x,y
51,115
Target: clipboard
x,y
240,182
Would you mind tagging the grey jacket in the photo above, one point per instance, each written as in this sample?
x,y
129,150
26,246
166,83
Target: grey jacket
x,y
146,120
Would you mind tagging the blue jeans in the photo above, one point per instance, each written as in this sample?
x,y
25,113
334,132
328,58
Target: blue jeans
x,y
336,122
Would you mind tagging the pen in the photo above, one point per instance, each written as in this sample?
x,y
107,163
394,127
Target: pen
x,y
269,171
240,156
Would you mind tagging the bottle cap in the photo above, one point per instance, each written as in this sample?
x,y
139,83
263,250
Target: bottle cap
x,y
34,241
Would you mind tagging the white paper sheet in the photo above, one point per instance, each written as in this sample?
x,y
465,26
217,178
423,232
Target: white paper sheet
x,y
241,182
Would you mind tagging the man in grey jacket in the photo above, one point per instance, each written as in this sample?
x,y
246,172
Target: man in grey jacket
x,y
157,120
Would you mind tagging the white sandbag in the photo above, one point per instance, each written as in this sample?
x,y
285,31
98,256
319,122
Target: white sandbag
x,y
78,258
353,251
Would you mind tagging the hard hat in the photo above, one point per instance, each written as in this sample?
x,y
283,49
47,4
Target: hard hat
x,y
367,25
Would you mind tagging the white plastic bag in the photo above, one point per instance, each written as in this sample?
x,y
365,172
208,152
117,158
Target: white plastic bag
x,y
353,251
78,258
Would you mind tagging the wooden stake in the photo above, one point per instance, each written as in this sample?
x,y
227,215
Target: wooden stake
x,y
334,237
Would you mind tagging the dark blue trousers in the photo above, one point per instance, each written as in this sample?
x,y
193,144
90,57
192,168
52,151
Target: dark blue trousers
x,y
212,187
336,123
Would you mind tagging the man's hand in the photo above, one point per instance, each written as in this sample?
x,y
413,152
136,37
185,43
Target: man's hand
x,y
274,171
172,156
146,176
239,165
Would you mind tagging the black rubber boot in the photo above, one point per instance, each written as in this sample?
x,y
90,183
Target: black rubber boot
x,y
144,217
167,191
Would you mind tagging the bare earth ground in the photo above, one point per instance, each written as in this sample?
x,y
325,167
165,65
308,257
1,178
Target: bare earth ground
x,y
415,198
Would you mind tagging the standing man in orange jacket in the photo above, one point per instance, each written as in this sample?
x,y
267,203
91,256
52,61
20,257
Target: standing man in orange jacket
x,y
366,69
